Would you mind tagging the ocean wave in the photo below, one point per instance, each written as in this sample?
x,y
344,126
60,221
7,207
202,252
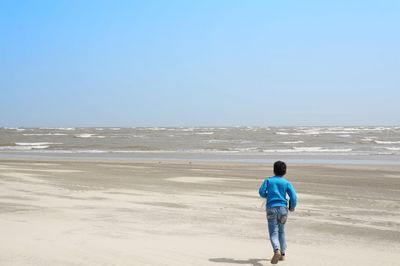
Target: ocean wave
x,y
218,141
387,142
377,129
251,149
204,133
345,129
285,133
138,136
309,149
29,146
90,151
315,131
88,135
293,142
211,151
190,129
36,143
320,149
278,150
368,139
44,134
73,151
298,133
21,148
393,148
58,128
142,151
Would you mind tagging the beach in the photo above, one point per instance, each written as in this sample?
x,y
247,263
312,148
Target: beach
x,y
180,212
138,133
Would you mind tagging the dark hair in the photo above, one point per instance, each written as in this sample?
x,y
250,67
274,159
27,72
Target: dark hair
x,y
279,168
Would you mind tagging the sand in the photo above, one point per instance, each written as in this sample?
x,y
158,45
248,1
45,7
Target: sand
x,y
176,213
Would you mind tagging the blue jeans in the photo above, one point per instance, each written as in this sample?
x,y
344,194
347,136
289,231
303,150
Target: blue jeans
x,y
277,217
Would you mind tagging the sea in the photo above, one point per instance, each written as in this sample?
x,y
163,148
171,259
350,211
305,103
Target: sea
x,y
358,144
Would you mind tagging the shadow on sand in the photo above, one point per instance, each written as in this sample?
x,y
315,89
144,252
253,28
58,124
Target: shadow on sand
x,y
254,262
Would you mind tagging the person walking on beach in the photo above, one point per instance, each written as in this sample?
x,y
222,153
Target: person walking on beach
x,y
274,189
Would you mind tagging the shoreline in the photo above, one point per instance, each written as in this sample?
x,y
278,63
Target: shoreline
x,y
314,159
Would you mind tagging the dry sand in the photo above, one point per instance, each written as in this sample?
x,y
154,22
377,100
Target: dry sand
x,y
176,213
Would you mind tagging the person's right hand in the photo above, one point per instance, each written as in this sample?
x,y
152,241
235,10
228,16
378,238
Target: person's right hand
x,y
292,210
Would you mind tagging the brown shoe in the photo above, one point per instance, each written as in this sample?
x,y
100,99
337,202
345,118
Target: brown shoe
x,y
283,257
276,257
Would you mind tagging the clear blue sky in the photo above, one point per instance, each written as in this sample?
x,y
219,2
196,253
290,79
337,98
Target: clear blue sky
x,y
199,63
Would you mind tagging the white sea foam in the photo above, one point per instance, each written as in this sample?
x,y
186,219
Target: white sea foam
x,y
252,149
31,147
138,136
331,132
38,147
320,149
87,135
278,150
58,128
204,133
387,142
84,135
36,143
316,131
293,142
74,151
124,151
306,149
187,129
393,148
45,134
379,129
309,149
91,151
298,133
142,151
218,141
368,139
15,128
282,133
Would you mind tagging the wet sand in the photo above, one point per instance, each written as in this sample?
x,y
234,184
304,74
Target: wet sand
x,y
182,213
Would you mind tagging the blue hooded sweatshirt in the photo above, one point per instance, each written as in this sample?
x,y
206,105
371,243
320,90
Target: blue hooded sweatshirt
x,y
274,189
